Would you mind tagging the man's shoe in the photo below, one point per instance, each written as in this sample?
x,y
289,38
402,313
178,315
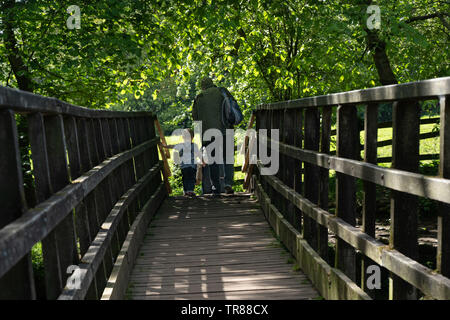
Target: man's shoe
x,y
229,190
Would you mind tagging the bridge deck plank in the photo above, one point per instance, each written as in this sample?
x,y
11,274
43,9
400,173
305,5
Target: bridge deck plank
x,y
208,248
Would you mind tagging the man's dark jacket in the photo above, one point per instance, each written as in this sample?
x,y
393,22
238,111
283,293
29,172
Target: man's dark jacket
x,y
208,108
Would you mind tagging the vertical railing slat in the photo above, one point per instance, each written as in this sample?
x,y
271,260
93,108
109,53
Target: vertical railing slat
x,y
281,174
18,282
59,247
369,205
99,140
91,126
404,207
311,191
73,150
443,253
88,152
298,172
324,180
97,204
289,138
347,147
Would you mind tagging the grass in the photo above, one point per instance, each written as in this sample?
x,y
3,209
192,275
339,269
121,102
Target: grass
x,y
427,167
427,146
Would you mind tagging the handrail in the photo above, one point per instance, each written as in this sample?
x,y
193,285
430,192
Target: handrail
x,y
412,90
18,237
84,163
25,102
297,207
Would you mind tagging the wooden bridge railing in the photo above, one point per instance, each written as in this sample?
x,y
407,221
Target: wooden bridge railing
x,y
95,173
296,202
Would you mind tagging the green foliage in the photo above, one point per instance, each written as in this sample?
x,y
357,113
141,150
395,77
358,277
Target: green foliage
x,y
262,50
37,259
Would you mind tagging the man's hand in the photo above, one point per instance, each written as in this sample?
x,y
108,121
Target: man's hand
x,y
166,146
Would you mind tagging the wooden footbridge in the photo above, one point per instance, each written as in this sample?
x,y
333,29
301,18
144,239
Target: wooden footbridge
x,y
96,221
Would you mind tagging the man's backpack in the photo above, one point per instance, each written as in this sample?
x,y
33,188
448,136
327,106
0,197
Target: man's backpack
x,y
231,112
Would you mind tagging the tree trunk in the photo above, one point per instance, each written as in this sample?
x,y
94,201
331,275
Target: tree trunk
x,y
18,66
382,63
378,46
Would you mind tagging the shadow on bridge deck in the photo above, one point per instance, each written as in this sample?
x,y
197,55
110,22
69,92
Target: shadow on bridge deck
x,y
214,248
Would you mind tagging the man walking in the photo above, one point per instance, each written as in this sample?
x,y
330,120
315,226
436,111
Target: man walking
x,y
207,108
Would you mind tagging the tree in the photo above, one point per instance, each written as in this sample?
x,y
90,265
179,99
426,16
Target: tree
x,y
266,50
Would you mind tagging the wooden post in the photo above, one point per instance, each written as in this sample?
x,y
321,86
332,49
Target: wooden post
x,y
269,124
146,156
88,154
59,247
162,137
106,133
312,136
369,200
110,189
104,205
247,168
261,123
298,142
245,146
443,253
118,179
370,156
273,124
137,138
166,169
124,172
72,143
91,128
130,165
41,170
80,212
289,138
282,202
324,181
18,282
99,141
84,145
130,140
404,207
115,142
152,134
347,147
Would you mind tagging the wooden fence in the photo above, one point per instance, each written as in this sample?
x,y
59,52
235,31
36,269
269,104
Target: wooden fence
x,y
297,207
94,174
384,143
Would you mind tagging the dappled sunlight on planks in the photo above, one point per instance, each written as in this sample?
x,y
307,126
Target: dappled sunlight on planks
x,y
208,248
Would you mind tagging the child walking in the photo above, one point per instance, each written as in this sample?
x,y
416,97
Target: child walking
x,y
186,156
